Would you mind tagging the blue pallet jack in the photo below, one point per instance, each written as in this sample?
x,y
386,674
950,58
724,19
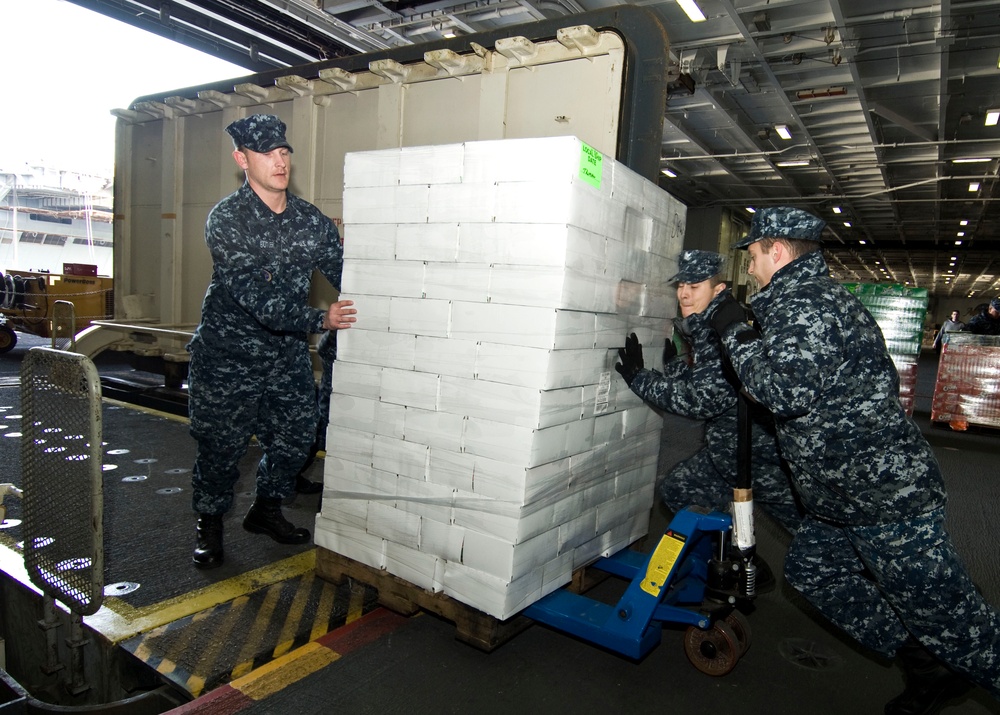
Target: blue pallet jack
x,y
700,574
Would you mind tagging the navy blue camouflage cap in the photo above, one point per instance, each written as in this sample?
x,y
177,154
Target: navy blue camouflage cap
x,y
783,222
259,132
995,304
696,266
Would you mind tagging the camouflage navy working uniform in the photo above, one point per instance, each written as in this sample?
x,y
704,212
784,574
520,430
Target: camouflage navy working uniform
x,y
983,323
696,387
871,486
250,371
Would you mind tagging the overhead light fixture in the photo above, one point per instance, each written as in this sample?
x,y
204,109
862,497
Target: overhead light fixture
x,y
751,210
963,222
863,242
992,116
691,9
973,186
958,243
782,130
960,233
822,92
667,172
972,160
795,162
847,224
836,209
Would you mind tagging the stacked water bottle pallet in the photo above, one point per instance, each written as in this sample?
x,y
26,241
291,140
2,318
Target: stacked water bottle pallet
x,y
900,312
481,443
967,391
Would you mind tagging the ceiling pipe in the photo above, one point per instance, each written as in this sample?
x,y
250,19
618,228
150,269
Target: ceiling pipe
x,y
934,10
858,147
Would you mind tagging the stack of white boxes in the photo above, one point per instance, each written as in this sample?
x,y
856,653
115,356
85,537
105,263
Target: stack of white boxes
x,y
481,442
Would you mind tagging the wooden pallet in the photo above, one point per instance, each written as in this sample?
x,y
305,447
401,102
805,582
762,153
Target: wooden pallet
x,y
478,629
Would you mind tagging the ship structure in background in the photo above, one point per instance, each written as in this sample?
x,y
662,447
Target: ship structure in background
x,y
56,251
50,217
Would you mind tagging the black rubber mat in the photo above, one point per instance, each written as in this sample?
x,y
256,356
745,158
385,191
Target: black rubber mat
x,y
149,525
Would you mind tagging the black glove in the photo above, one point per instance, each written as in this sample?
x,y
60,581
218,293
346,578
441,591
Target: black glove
x,y
729,312
669,350
631,359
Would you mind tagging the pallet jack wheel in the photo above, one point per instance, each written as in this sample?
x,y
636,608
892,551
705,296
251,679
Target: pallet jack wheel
x,y
8,339
741,626
714,651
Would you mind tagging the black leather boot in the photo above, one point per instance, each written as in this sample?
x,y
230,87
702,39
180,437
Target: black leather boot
x,y
208,547
930,684
766,582
265,517
305,486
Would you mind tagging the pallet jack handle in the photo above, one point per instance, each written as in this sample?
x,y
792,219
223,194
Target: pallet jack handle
x,y
743,527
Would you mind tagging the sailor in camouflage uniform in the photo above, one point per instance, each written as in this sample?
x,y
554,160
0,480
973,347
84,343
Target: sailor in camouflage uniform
x,y
872,553
326,349
695,385
987,322
250,371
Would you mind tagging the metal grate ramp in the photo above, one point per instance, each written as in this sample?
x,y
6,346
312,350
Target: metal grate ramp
x,y
62,477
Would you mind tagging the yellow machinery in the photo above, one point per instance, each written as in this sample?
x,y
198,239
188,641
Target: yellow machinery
x,y
31,302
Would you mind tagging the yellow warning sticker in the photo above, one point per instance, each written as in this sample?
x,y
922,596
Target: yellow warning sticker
x,y
662,562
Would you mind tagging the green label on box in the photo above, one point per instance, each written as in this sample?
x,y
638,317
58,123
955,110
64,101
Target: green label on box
x,y
591,165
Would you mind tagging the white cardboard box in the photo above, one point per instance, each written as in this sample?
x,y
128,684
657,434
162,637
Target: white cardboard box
x,y
481,433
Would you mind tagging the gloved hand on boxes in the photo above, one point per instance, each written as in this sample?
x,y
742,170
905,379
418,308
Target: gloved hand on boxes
x,y
631,359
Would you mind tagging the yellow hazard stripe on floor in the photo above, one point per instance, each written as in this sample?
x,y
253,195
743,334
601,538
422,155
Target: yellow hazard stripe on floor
x,y
118,621
272,677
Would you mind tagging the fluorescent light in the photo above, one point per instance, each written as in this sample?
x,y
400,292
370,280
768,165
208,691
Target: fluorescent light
x,y
800,162
972,160
863,242
847,224
960,234
973,186
691,9
751,210
992,115
958,243
836,209
963,222
782,130
668,172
